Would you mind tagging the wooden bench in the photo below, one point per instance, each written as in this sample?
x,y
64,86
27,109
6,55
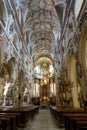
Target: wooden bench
x,y
13,117
74,122
5,123
58,113
23,114
7,112
82,125
71,120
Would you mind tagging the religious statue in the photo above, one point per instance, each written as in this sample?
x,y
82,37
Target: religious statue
x,y
65,95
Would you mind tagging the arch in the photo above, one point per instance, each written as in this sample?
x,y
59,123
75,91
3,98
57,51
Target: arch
x,y
41,57
83,49
37,56
60,9
83,59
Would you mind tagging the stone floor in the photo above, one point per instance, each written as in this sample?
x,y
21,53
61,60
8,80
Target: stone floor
x,y
42,121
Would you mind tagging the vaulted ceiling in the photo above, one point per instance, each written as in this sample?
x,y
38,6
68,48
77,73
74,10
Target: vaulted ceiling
x,y
42,25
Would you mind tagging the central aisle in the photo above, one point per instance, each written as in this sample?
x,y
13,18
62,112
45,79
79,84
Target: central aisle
x,y
43,121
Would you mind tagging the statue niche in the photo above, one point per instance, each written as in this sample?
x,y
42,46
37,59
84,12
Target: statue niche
x,y
64,93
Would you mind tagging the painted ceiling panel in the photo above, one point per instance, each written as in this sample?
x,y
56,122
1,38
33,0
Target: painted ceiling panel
x,y
43,23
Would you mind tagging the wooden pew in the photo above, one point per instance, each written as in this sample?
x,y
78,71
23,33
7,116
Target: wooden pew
x,y
24,113
13,117
8,113
58,113
82,125
77,124
71,120
5,123
76,117
74,123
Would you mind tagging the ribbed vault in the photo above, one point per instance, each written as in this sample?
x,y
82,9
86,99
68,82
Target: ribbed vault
x,y
42,25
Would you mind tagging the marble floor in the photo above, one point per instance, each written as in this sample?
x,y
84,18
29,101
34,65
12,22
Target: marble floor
x,y
42,121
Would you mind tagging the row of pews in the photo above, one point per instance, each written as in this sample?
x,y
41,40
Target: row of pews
x,y
13,118
70,118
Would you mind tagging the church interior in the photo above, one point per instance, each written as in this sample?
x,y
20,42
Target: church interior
x,y
43,64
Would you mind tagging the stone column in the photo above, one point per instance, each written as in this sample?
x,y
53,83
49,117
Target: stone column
x,y
73,79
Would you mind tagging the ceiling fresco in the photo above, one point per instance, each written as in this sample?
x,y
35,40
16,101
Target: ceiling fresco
x,y
42,24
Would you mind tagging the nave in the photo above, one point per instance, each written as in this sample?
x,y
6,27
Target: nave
x,y
43,64
42,121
